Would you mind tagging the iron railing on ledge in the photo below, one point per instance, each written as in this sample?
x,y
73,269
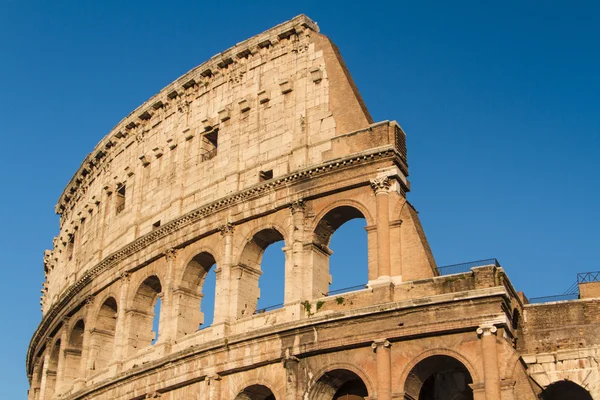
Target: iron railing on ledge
x,y
588,277
466,267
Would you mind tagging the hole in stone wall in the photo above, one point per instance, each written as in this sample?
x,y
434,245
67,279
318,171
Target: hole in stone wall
x,y
265,175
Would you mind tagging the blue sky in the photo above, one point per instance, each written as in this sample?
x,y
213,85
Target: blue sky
x,y
500,102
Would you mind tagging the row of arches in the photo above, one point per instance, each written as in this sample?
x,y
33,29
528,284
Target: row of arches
x,y
438,377
139,310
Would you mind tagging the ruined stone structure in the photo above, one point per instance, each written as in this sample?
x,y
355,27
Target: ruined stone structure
x,y
264,142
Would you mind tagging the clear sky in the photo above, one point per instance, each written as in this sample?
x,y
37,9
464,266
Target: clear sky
x,y
500,102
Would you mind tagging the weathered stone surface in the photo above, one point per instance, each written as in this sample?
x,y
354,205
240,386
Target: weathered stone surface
x,y
271,141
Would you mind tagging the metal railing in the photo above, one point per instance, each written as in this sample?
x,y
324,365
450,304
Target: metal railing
x,y
558,297
588,277
347,289
268,308
466,267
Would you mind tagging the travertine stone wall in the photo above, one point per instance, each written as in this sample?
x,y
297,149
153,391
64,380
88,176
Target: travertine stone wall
x,y
270,141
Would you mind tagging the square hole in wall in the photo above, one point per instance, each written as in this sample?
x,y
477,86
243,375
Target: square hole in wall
x,y
265,175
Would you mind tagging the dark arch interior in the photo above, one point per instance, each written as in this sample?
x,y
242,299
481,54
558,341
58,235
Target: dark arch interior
x,y
76,338
565,390
438,378
256,392
339,384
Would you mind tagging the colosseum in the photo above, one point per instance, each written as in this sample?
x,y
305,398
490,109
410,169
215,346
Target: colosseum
x,y
270,141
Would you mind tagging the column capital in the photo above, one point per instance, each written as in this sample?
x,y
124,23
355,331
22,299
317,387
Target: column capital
x,y
289,361
486,330
381,184
214,377
89,301
226,229
171,254
378,343
125,276
298,206
153,395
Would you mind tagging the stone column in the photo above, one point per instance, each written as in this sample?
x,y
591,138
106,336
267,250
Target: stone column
x,y
167,324
213,384
34,390
121,334
295,279
44,379
223,304
59,385
290,363
489,353
87,345
382,348
381,187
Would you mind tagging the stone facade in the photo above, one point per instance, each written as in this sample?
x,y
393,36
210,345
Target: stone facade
x,y
264,142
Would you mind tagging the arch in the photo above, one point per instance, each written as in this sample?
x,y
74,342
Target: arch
x,y
189,294
565,390
366,214
103,335
439,377
335,267
339,383
73,353
249,270
255,392
52,371
441,352
140,316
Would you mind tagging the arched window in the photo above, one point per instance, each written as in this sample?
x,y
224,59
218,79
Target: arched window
x,y
438,377
261,258
195,296
339,384
565,390
342,240
72,355
143,317
103,336
255,392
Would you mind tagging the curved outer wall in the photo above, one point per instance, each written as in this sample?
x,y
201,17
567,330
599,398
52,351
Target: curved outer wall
x,y
266,141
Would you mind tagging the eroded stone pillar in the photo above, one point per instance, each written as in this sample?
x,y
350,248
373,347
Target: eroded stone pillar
x,y
382,348
223,278
121,334
59,385
489,354
290,363
167,324
213,384
381,187
44,380
294,279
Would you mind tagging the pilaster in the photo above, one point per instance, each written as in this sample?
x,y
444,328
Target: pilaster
x,y
382,348
489,355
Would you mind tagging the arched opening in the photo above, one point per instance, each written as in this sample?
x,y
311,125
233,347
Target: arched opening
x,y
103,336
341,250
195,296
565,390
438,378
256,392
261,258
339,384
72,354
51,372
143,317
